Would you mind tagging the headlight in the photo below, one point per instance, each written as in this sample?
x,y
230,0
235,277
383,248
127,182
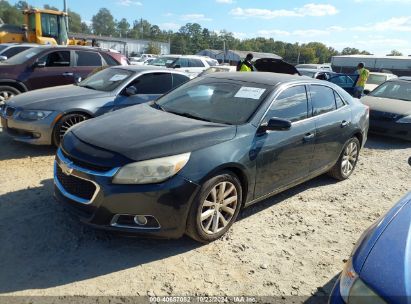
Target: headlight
x,y
354,291
31,115
406,119
151,171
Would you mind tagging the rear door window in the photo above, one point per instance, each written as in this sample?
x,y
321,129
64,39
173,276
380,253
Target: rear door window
x,y
196,63
88,59
179,80
153,83
323,99
291,104
109,60
57,59
14,50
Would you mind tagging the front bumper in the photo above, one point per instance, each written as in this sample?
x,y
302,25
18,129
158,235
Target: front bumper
x,y
391,128
168,203
37,132
335,296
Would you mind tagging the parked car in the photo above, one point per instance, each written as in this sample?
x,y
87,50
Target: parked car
x,y
274,65
345,81
43,116
312,66
191,64
316,73
49,66
390,108
375,79
378,269
190,161
216,69
8,50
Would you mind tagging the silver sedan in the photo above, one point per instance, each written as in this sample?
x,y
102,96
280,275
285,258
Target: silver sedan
x,y
42,117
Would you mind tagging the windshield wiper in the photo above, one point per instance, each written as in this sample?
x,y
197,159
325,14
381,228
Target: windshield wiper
x,y
159,106
189,115
88,87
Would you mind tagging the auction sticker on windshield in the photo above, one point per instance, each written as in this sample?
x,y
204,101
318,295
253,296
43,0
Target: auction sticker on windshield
x,y
118,77
249,92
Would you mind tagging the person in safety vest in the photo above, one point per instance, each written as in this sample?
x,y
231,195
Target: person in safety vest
x,y
363,74
246,65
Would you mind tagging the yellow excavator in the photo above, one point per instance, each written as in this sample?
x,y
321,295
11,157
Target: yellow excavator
x,y
41,26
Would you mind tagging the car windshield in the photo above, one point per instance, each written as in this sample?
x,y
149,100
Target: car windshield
x,y
22,57
215,100
393,90
2,47
376,79
307,66
163,61
106,80
307,73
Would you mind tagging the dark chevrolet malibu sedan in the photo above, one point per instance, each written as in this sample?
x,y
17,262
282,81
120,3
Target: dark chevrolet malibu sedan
x,y
190,161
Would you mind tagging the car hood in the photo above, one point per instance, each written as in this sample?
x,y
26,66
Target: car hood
x,y
55,98
142,132
395,106
275,66
390,255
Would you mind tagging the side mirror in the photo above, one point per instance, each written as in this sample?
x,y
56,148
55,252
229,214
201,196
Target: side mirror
x,y
3,58
77,79
38,64
276,124
177,66
131,90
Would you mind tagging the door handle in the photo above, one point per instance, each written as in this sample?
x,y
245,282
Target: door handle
x,y
67,74
309,136
344,123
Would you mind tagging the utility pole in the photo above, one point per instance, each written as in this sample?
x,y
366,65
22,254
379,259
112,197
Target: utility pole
x,y
66,11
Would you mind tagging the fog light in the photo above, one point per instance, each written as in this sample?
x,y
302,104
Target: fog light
x,y
140,220
36,135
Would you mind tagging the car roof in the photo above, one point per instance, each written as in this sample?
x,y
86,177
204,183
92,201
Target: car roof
x,y
77,47
266,78
146,68
20,44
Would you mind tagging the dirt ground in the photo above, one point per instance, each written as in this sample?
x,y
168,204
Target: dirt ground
x,y
292,244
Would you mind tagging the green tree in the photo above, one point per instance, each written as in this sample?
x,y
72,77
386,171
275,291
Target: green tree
x,y
395,53
123,27
49,7
22,5
103,23
10,14
85,29
74,22
153,49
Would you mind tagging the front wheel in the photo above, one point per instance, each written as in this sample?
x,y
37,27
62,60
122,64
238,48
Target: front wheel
x,y
215,208
65,123
7,92
348,160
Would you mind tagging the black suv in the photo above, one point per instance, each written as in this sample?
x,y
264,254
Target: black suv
x,y
49,66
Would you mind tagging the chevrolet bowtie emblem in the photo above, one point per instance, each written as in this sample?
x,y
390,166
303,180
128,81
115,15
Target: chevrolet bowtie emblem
x,y
66,168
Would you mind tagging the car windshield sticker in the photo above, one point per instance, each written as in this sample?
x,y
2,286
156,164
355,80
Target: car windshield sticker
x,y
169,61
249,92
118,77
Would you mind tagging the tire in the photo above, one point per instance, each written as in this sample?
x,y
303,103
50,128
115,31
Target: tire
x,y
348,160
218,214
7,91
65,123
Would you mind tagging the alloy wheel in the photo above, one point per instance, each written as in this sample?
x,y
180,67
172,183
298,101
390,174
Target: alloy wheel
x,y
4,95
68,123
349,158
219,207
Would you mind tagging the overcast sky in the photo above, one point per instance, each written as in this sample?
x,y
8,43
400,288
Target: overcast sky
x,y
374,25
